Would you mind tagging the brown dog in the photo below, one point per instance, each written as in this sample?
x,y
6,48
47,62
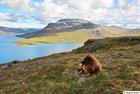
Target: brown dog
x,y
90,65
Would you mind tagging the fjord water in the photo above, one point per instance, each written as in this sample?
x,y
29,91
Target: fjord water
x,y
9,51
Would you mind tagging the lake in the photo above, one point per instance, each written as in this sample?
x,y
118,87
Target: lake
x,y
9,51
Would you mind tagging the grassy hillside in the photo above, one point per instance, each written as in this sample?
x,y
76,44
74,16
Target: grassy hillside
x,y
80,35
56,74
74,36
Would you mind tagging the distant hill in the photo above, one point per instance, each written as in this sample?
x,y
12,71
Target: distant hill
x,y
9,30
63,25
70,25
137,30
74,30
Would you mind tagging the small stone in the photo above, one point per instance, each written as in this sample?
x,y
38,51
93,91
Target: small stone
x,y
81,80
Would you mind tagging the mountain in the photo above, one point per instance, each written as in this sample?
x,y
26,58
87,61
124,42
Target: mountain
x,y
56,74
8,30
137,30
63,25
74,30
69,25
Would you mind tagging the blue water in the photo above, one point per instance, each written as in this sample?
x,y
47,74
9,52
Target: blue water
x,y
9,51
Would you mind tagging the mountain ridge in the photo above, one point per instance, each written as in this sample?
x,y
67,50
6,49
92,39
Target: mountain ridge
x,y
17,30
74,30
63,25
67,25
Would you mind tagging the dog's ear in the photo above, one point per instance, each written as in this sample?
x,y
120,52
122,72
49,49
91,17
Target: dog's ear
x,y
89,54
82,62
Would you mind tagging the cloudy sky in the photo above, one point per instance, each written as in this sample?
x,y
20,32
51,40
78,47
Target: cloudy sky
x,y
38,13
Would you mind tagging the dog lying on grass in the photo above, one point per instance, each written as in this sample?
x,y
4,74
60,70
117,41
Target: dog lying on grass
x,y
90,65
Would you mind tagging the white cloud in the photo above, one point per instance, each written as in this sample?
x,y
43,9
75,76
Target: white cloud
x,y
89,9
122,3
21,25
17,4
4,16
88,4
125,16
48,11
93,10
10,17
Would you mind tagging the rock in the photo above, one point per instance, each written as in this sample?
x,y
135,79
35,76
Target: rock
x,y
81,80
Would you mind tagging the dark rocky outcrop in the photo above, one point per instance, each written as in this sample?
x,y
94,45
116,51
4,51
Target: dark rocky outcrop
x,y
92,45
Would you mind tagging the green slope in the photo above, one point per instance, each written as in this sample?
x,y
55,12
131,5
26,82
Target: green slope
x,y
56,74
75,36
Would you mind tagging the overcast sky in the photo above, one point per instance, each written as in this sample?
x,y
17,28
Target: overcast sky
x,y
38,13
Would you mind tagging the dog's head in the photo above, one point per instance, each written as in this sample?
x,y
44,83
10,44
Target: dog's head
x,y
87,60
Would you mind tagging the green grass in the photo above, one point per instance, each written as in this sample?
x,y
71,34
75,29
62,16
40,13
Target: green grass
x,y
55,74
73,36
